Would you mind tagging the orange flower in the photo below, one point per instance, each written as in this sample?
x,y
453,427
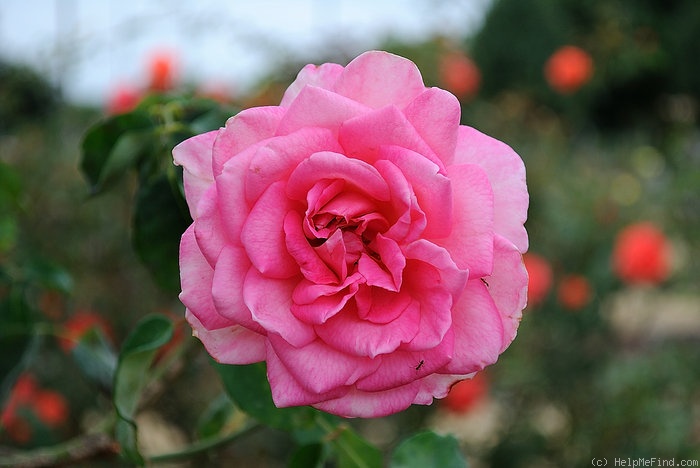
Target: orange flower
x,y
161,71
459,75
568,68
51,407
123,99
540,282
641,254
465,394
574,292
79,324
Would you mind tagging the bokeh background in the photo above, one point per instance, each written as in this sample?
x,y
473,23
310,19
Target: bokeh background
x,y
600,99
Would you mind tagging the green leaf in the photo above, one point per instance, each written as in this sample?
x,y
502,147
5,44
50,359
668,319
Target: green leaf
x,y
129,149
355,452
307,456
428,449
250,390
130,378
96,358
158,225
215,417
99,143
17,343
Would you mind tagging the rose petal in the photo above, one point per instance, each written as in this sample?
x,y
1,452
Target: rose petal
x,y
400,368
208,226
244,130
350,334
329,165
357,404
196,277
432,189
437,386
363,136
317,107
377,79
230,186
287,391
316,303
269,301
392,261
321,76
471,241
311,266
194,155
320,368
508,287
435,114
229,345
408,219
506,173
275,160
478,330
263,234
230,272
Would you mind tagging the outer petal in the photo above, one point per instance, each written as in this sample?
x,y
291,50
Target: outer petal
x,y
317,107
363,136
437,386
269,301
471,241
320,368
508,286
287,391
377,79
195,156
506,173
321,76
227,287
233,207
358,404
243,130
229,345
478,330
208,226
196,278
435,114
400,368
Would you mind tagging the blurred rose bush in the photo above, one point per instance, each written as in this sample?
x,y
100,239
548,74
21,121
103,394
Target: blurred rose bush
x,y
356,238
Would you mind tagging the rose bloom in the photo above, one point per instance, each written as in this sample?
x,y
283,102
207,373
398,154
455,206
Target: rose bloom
x,y
568,68
356,238
641,254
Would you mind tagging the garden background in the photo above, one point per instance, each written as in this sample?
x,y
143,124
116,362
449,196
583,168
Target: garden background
x,y
606,360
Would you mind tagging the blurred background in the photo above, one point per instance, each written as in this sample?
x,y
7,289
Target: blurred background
x,y
599,98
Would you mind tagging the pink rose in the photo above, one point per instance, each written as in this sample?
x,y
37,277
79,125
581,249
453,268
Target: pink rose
x,y
356,238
